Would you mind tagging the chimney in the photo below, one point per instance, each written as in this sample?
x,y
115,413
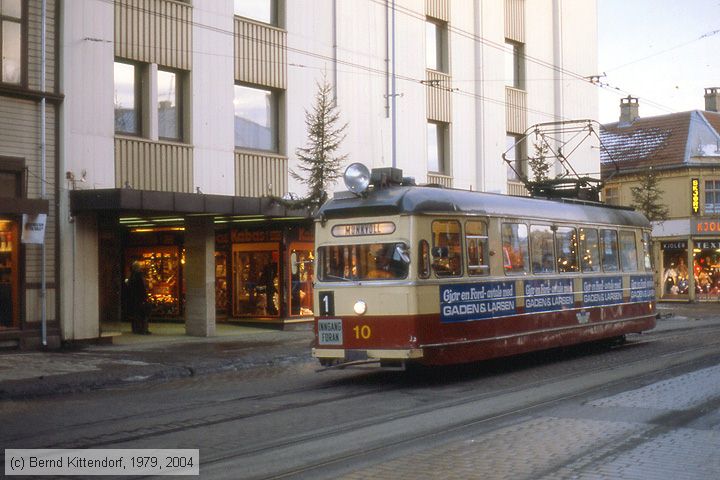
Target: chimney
x,y
712,99
629,109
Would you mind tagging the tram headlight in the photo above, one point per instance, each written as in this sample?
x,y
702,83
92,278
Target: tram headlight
x,y
360,307
357,177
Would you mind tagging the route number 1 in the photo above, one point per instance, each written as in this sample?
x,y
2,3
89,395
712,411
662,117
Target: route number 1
x,y
327,304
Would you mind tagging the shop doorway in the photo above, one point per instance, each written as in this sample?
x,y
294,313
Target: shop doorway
x,y
301,274
256,280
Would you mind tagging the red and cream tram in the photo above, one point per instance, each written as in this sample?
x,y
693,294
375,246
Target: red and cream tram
x,y
439,276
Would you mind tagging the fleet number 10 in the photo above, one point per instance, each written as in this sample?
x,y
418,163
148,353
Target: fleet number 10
x,y
362,331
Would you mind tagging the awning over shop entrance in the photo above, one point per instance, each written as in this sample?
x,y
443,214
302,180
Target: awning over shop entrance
x,y
130,200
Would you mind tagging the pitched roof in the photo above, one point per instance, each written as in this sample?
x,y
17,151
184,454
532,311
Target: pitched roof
x,y
677,139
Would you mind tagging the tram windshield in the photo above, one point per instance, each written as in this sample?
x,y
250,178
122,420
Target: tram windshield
x,y
374,261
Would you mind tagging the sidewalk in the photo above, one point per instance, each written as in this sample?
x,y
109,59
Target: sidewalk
x,y
166,353
169,353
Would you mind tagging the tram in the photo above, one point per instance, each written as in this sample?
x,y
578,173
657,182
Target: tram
x,y
436,276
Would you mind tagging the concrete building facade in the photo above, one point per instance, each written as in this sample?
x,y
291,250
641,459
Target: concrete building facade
x,y
175,122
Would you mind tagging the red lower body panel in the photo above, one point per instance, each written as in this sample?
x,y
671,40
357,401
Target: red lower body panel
x,y
448,343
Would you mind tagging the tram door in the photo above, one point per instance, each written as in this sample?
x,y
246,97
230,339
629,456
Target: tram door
x,y
256,280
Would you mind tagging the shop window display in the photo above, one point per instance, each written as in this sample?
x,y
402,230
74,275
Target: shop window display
x,y
162,268
8,274
675,270
221,284
301,278
706,269
255,281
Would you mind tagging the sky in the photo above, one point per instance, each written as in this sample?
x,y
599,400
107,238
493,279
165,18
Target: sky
x,y
664,52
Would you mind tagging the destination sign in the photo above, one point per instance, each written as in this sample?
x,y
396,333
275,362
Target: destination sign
x,y
477,301
363,229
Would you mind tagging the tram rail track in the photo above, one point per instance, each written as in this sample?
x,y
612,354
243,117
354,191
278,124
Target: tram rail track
x,y
76,436
688,358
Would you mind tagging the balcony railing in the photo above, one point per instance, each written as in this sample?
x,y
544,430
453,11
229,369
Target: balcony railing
x,y
439,101
436,178
515,110
154,31
517,189
148,165
258,174
260,53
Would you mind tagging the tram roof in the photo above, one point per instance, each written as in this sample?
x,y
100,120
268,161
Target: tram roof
x,y
396,200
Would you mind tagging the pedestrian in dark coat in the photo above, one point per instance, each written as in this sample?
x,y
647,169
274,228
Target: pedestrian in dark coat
x,y
137,301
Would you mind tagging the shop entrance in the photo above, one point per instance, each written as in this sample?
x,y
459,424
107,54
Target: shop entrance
x,y
162,265
255,280
9,277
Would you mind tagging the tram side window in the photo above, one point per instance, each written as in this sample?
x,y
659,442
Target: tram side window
x,y
566,243
541,248
515,247
609,249
647,252
423,259
589,250
476,242
447,249
628,251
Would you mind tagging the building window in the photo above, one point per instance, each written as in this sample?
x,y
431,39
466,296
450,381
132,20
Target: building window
x,y
256,118
169,105
259,10
437,141
612,196
514,66
11,18
127,98
712,196
515,154
436,49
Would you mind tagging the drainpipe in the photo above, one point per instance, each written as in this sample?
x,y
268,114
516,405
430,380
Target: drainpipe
x,y
335,52
387,58
393,94
43,175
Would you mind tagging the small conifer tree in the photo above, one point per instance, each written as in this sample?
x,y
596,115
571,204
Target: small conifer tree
x,y
319,164
647,198
539,166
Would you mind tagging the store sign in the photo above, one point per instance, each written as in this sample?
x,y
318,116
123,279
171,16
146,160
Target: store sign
x,y
363,229
674,245
695,195
33,228
708,244
249,236
705,226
